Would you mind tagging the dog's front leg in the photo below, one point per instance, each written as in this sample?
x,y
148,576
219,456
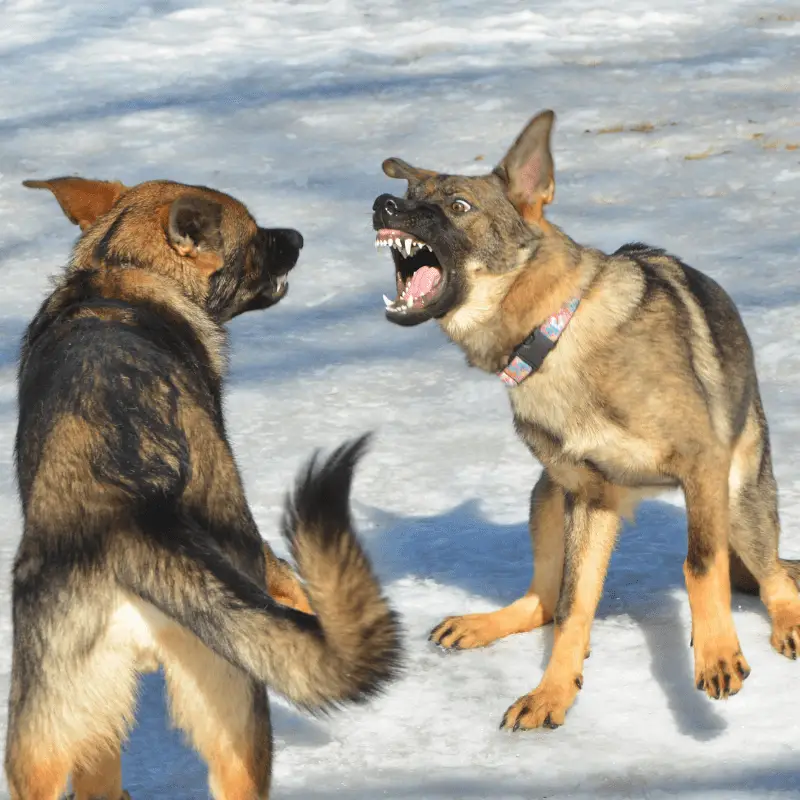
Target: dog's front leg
x,y
538,605
590,532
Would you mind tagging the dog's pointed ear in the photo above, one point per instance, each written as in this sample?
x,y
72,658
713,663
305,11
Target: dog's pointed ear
x,y
82,200
194,229
397,168
527,168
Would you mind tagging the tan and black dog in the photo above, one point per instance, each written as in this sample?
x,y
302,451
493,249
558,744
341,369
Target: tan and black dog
x,y
139,547
628,374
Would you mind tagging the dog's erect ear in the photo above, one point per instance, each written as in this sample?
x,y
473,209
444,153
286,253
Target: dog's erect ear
x,y
528,168
194,229
397,168
82,200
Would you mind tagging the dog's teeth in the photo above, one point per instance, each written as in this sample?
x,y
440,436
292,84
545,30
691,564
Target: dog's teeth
x,y
387,301
408,247
410,301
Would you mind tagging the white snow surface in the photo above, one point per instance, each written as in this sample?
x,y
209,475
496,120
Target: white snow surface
x,y
291,106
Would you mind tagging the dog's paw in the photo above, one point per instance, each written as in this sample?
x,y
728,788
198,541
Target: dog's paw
x,y
480,630
465,633
720,670
786,631
545,707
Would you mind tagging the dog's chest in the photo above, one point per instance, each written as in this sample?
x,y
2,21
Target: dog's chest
x,y
565,424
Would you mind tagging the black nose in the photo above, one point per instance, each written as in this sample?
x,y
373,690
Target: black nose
x,y
293,237
385,204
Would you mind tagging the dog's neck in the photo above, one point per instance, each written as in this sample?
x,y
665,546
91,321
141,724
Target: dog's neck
x,y
502,310
113,282
171,276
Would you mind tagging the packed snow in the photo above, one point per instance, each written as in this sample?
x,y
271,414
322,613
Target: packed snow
x,y
678,124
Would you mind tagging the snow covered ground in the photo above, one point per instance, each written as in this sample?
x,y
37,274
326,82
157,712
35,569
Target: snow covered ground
x,y
678,123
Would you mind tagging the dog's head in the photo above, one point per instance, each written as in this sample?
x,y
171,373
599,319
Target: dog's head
x,y
204,240
449,232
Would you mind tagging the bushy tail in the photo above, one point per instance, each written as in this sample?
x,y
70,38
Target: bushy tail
x,y
346,653
361,631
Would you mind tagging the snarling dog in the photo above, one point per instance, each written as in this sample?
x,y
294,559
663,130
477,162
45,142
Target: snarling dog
x,y
138,544
628,374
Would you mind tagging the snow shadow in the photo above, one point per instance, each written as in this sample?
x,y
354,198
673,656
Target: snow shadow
x,y
645,583
156,754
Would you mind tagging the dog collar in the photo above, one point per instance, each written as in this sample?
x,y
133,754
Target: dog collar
x,y
530,355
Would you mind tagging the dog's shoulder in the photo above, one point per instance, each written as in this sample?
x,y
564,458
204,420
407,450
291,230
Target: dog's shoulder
x,y
122,314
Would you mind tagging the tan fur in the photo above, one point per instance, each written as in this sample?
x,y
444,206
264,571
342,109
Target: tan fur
x,y
719,666
547,705
139,549
652,386
102,780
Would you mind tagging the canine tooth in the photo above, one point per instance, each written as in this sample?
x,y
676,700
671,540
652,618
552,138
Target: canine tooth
x,y
387,301
410,301
408,247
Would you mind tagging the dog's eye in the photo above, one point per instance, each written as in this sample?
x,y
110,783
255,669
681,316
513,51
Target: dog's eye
x,y
460,206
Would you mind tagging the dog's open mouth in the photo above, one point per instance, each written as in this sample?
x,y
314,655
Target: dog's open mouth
x,y
418,273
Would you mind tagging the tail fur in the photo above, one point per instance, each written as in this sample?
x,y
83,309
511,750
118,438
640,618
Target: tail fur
x,y
346,653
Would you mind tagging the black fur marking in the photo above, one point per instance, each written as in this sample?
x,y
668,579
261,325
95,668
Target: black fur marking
x,y
569,579
102,251
321,498
657,284
730,339
700,553
124,379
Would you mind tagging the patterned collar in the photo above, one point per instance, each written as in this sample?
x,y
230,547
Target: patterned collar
x,y
530,355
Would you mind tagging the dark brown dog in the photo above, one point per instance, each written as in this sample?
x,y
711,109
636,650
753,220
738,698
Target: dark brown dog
x,y
628,373
138,545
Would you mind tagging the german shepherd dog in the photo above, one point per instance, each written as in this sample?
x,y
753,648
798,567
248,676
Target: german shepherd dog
x,y
628,374
138,544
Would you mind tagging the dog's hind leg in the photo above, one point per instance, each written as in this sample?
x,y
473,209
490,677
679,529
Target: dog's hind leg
x,y
225,714
538,605
99,778
72,697
32,773
755,532
720,666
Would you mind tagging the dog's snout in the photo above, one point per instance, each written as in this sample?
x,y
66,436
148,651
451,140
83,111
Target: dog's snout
x,y
292,237
295,238
390,206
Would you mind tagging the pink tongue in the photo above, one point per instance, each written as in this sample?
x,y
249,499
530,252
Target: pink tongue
x,y
423,281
